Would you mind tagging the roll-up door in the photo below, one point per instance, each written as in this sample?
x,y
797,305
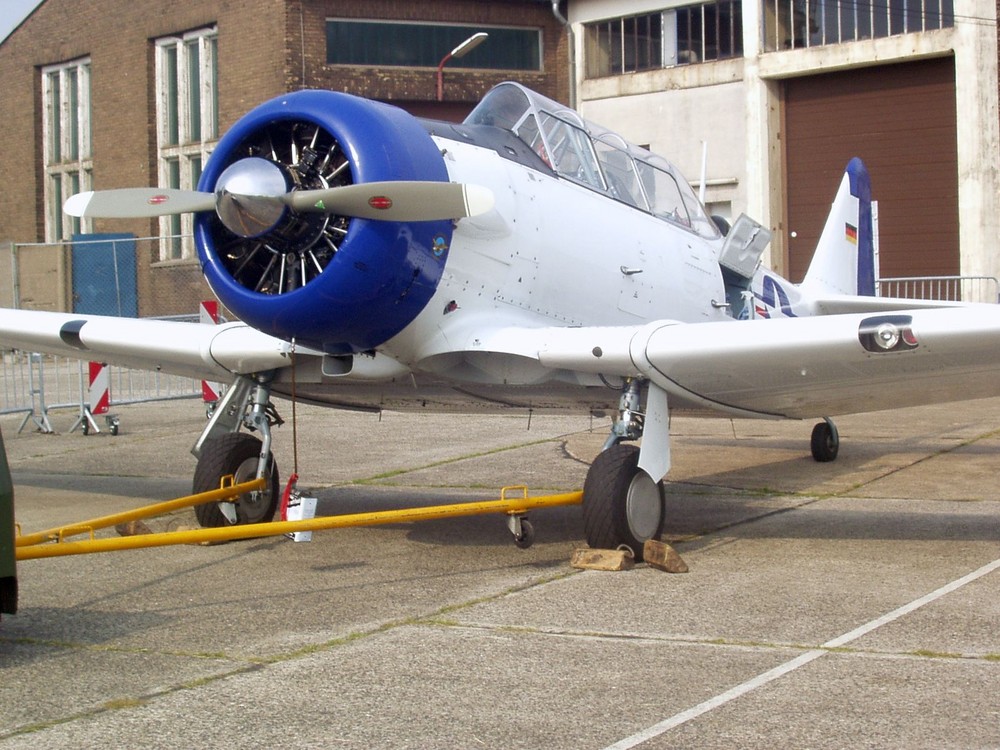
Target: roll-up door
x,y
901,120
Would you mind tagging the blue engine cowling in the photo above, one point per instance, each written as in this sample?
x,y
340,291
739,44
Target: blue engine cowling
x,y
335,283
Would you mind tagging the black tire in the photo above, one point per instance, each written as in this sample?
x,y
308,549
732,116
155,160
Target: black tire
x,y
235,453
824,443
607,521
527,537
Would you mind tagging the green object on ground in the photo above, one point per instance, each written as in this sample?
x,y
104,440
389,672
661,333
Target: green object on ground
x,y
8,561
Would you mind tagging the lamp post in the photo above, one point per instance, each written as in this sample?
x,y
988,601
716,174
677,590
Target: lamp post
x,y
460,51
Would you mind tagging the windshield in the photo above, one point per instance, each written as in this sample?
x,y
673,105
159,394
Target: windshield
x,y
593,156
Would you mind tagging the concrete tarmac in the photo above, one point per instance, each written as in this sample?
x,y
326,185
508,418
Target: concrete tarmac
x,y
849,604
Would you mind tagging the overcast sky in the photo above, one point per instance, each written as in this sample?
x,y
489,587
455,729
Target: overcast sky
x,y
12,12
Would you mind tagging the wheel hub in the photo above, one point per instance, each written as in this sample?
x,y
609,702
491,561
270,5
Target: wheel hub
x,y
643,506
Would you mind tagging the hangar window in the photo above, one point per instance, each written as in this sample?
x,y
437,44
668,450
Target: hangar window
x,y
187,124
793,24
422,45
66,143
677,36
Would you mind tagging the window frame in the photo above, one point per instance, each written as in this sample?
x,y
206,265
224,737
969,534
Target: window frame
x,y
187,124
800,24
666,44
430,57
66,144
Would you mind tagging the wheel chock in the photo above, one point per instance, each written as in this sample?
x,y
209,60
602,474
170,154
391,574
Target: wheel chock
x,y
662,556
603,559
131,528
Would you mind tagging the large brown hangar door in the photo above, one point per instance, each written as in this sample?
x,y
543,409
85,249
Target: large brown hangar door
x,y
901,120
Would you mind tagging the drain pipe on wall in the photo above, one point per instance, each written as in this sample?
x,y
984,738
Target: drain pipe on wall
x,y
572,51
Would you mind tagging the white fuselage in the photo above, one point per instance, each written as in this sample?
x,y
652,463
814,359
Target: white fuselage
x,y
551,253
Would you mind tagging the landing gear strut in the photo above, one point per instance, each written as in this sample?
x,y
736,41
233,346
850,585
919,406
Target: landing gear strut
x,y
223,451
622,504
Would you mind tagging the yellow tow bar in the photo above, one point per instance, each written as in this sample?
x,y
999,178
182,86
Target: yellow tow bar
x,y
31,547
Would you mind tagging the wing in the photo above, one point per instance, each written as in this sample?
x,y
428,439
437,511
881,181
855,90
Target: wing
x,y
794,367
191,349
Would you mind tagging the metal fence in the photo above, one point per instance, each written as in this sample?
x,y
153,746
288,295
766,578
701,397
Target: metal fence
x,y
942,288
107,274
36,384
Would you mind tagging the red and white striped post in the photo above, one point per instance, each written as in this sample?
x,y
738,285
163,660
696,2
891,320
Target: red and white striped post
x,y
208,313
99,391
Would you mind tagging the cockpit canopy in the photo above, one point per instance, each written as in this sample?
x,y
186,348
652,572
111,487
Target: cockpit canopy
x,y
593,156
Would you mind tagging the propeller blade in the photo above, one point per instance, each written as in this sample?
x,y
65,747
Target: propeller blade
x,y
137,203
395,201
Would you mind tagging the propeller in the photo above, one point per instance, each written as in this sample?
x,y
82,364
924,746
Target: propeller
x,y
253,193
137,203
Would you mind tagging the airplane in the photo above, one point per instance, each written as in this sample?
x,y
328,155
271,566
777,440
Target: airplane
x,y
524,259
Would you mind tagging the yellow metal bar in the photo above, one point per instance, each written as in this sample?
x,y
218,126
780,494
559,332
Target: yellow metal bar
x,y
146,511
255,530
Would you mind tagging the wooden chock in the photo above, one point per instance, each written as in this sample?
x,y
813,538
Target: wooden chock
x,y
603,559
662,556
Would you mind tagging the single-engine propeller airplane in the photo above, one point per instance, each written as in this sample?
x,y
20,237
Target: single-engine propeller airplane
x,y
524,259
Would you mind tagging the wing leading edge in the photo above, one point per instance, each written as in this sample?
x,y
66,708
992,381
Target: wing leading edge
x,y
190,349
794,367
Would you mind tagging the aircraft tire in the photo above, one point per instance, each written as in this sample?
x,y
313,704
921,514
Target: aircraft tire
x,y
235,453
824,442
621,503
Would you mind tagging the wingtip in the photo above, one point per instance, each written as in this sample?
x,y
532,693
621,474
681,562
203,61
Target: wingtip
x,y
76,205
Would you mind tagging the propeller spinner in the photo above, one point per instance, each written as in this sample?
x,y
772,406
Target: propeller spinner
x,y
248,196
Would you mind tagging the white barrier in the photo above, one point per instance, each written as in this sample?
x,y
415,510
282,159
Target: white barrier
x,y
35,384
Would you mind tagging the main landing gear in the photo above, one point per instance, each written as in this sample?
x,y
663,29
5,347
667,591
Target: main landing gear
x,y
623,498
622,504
222,452
236,454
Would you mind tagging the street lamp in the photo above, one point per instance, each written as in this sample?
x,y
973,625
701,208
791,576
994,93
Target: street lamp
x,y
460,51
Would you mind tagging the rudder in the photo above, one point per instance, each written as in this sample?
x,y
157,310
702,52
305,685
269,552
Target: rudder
x,y
844,261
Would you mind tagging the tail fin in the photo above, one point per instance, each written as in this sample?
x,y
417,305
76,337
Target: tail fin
x,y
844,261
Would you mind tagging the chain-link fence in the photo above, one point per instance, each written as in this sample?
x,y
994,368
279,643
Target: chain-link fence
x,y
106,274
